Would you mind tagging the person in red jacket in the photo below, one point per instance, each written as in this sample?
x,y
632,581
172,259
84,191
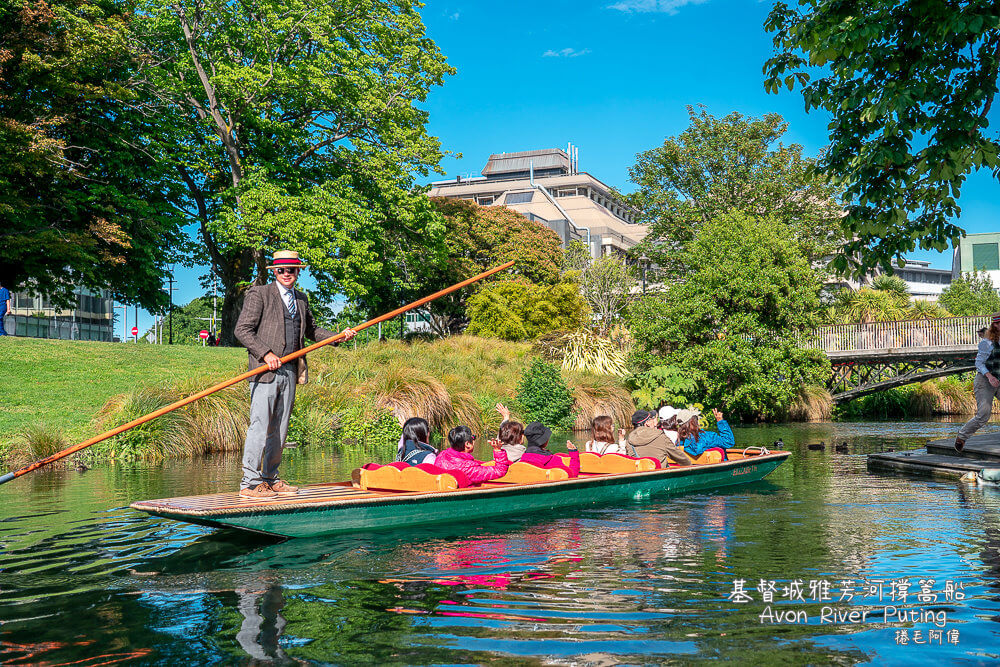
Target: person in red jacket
x,y
459,457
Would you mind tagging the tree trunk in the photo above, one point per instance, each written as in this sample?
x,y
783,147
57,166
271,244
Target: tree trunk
x,y
234,277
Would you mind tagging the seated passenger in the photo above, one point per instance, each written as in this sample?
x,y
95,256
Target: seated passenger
x,y
668,422
696,442
647,440
414,445
459,457
602,438
511,439
536,451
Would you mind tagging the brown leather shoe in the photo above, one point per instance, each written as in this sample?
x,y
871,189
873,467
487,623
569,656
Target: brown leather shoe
x,y
959,444
283,488
262,491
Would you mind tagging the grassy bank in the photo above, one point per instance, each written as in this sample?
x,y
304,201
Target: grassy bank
x,y
356,396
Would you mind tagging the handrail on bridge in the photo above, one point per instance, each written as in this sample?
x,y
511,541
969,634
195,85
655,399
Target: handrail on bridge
x,y
937,332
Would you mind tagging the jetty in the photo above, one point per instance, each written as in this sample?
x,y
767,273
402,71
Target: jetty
x,y
940,459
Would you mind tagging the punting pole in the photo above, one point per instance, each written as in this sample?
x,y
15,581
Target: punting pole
x,y
239,378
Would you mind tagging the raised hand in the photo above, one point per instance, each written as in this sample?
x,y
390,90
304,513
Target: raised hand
x,y
717,414
504,412
570,446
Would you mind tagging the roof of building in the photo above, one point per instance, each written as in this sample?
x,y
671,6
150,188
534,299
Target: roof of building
x,y
510,163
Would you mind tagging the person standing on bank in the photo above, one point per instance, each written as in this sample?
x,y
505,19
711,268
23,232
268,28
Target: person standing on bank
x,y
275,321
4,307
986,385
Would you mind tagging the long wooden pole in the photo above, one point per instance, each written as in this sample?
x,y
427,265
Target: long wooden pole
x,y
239,378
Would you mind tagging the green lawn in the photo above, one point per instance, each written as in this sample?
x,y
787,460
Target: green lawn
x,y
64,383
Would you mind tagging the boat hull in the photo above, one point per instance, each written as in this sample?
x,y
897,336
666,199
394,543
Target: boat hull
x,y
326,509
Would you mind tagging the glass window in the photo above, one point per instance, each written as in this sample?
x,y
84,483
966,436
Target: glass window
x,y
986,256
519,197
485,200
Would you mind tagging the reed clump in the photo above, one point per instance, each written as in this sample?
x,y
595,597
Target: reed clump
x,y
947,396
813,403
36,442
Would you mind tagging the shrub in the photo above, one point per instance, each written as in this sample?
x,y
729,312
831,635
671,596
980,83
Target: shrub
x,y
660,385
544,397
364,426
519,310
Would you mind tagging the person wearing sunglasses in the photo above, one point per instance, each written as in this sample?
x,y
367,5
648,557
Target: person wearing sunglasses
x,y
275,321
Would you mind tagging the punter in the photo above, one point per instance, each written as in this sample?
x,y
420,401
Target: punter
x,y
275,321
986,384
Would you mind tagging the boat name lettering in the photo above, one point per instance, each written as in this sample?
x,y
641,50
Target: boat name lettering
x,y
744,471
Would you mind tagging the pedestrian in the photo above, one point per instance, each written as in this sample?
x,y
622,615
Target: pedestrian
x,y
275,321
4,307
986,385
211,339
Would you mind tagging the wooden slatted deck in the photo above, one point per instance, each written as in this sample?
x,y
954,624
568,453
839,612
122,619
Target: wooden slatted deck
x,y
215,503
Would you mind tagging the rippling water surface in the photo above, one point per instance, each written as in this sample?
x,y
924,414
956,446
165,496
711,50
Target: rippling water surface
x,y
86,581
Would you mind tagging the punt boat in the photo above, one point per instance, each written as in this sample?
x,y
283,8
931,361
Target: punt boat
x,y
367,504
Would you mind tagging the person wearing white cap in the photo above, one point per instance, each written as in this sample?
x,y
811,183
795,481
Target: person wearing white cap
x,y
668,422
986,385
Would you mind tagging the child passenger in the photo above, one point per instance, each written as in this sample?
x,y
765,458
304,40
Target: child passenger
x,y
536,437
459,457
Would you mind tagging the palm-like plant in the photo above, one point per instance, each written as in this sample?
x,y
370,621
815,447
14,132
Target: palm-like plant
x,y
868,305
926,310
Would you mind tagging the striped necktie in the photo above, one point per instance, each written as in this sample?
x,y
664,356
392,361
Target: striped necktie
x,y
290,302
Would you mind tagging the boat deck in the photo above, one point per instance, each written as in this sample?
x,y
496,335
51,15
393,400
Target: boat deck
x,y
212,504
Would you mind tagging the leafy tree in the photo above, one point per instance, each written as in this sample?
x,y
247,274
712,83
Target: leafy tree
x,y
732,164
544,397
84,192
908,86
662,385
519,310
732,325
478,238
296,125
972,294
188,321
606,285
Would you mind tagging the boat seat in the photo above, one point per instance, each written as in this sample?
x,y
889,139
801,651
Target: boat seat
x,y
615,463
707,457
404,477
525,473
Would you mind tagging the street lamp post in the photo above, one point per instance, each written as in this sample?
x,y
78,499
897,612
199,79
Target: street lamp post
x,y
643,263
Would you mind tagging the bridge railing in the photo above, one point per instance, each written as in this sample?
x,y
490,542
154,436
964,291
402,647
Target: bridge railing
x,y
938,332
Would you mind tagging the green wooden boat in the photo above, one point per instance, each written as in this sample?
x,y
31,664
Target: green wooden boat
x,y
339,507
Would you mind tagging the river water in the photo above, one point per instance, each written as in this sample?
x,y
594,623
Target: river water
x,y
86,581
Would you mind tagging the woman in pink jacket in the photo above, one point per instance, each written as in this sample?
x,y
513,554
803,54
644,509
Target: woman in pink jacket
x,y
459,457
536,452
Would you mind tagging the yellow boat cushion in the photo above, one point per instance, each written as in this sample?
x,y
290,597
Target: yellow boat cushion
x,y
707,457
410,478
525,473
614,463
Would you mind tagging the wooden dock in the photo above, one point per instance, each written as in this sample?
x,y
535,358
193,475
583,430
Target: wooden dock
x,y
940,459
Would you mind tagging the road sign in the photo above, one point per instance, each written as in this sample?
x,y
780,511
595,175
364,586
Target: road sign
x,y
135,331
203,334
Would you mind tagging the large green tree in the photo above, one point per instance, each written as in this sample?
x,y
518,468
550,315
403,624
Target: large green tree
x,y
908,86
723,165
732,325
84,191
478,238
296,124
972,294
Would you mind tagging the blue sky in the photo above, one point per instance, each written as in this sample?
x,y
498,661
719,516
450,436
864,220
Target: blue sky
x,y
614,78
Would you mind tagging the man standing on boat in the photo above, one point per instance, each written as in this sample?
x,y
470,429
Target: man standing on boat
x,y
275,321
986,384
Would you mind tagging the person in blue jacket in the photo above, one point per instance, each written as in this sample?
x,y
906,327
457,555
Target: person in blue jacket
x,y
695,442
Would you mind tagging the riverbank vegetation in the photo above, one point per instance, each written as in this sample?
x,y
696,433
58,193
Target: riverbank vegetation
x,y
356,397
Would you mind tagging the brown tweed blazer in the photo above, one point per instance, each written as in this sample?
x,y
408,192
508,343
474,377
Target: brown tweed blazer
x,y
261,328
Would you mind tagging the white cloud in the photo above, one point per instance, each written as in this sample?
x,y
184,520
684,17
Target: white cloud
x,y
454,17
653,6
565,53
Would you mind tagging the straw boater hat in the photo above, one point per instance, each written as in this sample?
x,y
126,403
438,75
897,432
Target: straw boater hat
x,y
286,259
996,318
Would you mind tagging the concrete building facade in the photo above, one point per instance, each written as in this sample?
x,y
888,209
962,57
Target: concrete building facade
x,y
978,252
547,186
922,281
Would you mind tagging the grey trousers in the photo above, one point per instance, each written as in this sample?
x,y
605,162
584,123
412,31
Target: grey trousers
x,y
270,408
985,393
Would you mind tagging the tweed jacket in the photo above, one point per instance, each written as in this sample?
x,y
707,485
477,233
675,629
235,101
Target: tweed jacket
x,y
261,328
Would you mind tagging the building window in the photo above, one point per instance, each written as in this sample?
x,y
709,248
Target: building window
x,y
485,200
519,197
985,256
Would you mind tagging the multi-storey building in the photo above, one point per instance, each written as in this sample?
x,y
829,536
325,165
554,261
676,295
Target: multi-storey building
x,y
922,281
36,317
547,186
979,252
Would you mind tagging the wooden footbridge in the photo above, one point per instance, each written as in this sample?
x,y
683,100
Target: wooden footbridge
x,y
875,356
